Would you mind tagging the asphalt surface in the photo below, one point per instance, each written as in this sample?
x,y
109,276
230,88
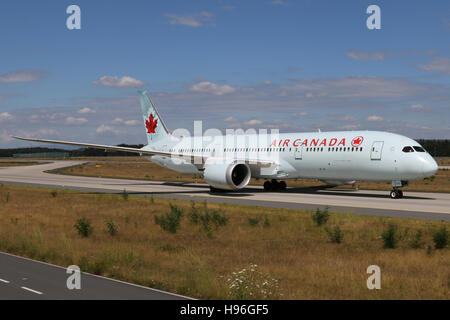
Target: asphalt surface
x,y
25,279
418,205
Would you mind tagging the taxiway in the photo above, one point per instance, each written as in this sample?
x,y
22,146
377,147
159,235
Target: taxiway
x,y
418,205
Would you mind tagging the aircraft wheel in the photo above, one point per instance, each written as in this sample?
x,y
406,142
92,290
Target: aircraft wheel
x,y
283,185
275,185
395,194
267,186
400,193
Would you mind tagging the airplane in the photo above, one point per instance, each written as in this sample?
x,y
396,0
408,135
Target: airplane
x,y
227,162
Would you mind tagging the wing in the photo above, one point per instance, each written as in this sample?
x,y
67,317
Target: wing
x,y
254,163
99,146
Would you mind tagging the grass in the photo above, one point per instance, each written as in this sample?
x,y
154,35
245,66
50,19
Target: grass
x,y
18,163
289,248
142,169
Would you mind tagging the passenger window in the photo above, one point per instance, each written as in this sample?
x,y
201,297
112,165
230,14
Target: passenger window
x,y
408,149
419,149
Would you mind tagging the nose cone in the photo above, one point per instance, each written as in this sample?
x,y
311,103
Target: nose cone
x,y
429,167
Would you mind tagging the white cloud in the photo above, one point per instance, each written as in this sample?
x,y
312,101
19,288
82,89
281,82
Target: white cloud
x,y
356,87
362,55
6,116
441,65
86,111
374,118
116,82
212,88
126,122
253,122
191,20
47,132
132,122
279,2
348,118
417,107
57,117
28,75
104,128
75,121
349,127
229,119
117,121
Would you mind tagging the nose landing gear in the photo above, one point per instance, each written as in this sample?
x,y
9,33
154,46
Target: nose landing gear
x,y
274,185
396,193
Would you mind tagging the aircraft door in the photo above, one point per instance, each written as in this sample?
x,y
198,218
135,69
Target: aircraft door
x,y
377,148
298,153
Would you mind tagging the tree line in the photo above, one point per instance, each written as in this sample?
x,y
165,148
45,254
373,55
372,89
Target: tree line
x,y
437,148
82,152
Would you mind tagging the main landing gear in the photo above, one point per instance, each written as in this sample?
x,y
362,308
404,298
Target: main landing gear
x,y
396,194
274,185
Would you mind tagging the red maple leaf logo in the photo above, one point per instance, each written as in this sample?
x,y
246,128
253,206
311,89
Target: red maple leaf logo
x,y
151,124
357,141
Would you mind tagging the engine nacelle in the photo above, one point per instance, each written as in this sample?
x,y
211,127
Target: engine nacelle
x,y
232,175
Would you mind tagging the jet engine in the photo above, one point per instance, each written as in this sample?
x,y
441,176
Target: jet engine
x,y
232,175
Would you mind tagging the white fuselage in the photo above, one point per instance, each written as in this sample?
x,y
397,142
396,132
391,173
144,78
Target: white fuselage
x,y
337,157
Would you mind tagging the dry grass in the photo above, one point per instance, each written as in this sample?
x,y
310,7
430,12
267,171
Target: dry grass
x,y
146,170
443,161
18,163
39,225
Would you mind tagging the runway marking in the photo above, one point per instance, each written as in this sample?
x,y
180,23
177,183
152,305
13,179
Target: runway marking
x,y
4,281
31,290
96,276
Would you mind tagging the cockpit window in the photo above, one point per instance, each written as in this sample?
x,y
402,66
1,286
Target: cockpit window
x,y
408,149
419,149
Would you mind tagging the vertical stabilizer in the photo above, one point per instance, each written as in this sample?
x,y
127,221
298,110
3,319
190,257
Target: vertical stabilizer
x,y
155,128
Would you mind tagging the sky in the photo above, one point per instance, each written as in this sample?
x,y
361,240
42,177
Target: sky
x,y
271,64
